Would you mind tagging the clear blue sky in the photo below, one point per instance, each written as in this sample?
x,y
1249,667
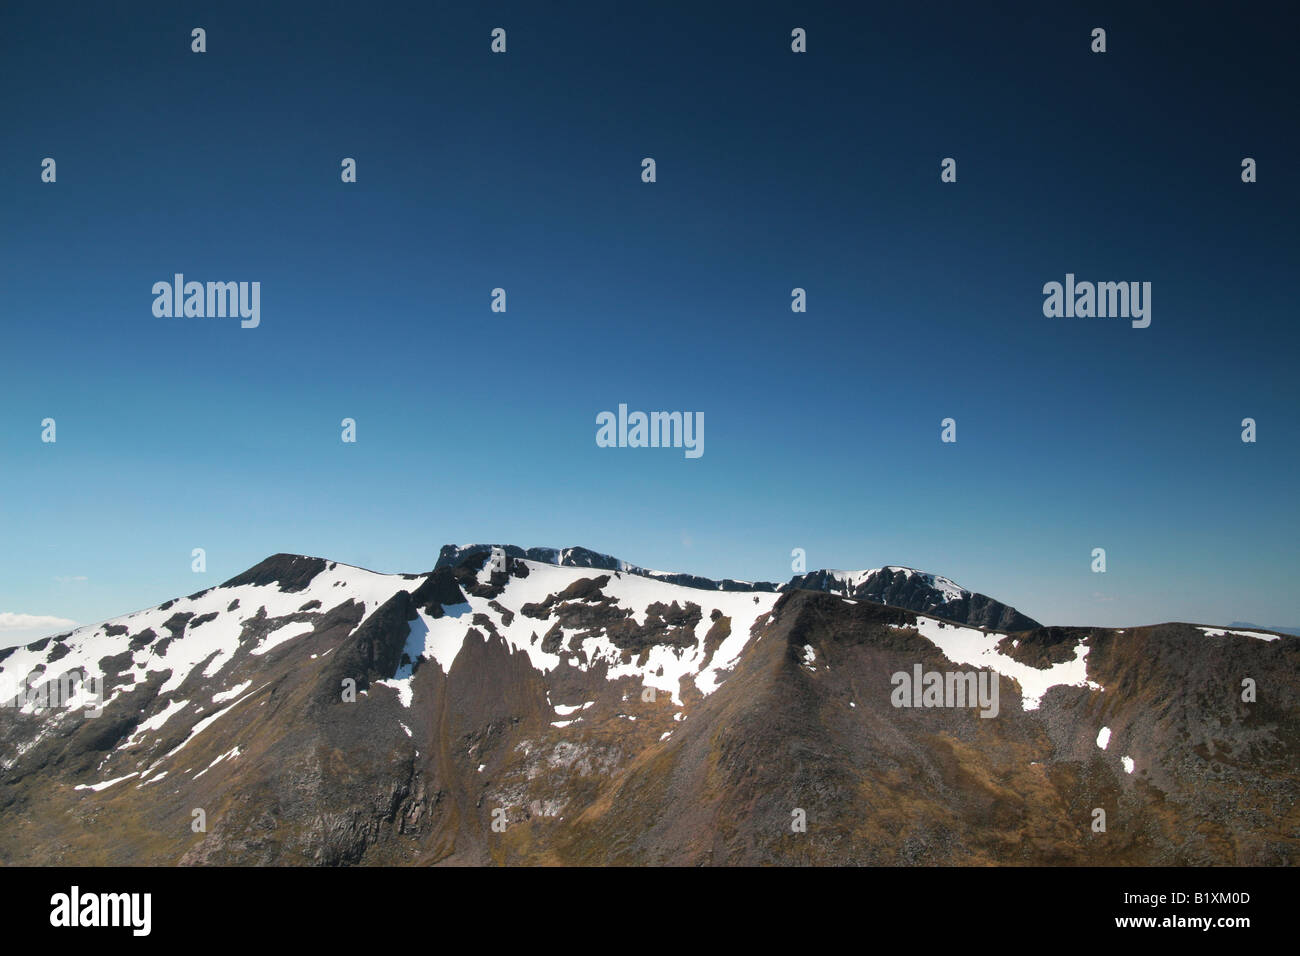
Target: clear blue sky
x,y
775,170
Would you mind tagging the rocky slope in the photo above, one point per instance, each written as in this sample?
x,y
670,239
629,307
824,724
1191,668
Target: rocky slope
x,y
563,711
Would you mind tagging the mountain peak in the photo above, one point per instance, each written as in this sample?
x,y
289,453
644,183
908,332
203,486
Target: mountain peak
x,y
292,572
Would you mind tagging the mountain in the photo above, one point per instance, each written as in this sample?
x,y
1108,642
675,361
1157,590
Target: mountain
x,y
896,586
564,709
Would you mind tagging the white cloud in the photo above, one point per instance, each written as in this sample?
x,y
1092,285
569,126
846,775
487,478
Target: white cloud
x,y
28,622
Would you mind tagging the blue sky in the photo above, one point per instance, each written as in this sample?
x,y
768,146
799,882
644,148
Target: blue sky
x,y
775,170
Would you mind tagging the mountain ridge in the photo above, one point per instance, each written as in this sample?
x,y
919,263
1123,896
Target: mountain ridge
x,y
912,588
523,712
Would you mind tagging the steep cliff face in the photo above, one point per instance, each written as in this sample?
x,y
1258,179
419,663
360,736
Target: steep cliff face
x,y
310,713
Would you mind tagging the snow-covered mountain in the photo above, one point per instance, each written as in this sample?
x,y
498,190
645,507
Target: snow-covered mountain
x,y
895,586
566,707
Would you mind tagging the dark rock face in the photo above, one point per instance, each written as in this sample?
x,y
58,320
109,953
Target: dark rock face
x,y
452,555
585,558
513,717
290,572
177,623
374,650
440,588
1044,646
916,591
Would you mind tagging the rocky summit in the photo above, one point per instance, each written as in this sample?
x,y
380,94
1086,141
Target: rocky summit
x,y
559,706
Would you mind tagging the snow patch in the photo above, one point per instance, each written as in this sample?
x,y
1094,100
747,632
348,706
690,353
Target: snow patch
x,y
101,786
966,645
1220,632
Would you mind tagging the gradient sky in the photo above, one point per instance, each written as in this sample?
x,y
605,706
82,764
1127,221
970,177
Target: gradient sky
x,y
775,170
